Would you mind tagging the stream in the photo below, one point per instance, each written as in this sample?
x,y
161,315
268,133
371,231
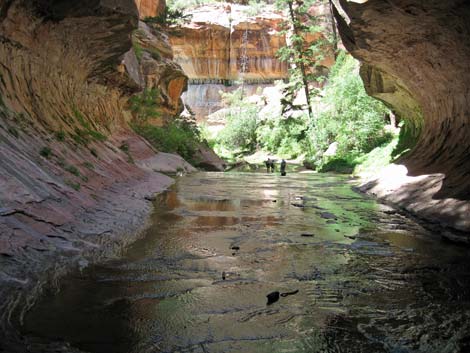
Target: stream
x,y
356,276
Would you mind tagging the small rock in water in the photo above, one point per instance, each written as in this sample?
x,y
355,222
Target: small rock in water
x,y
223,275
273,297
235,248
289,293
297,205
307,235
233,254
150,197
274,200
327,215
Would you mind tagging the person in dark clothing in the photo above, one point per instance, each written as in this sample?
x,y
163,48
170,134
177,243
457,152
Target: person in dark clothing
x,y
268,165
283,167
272,166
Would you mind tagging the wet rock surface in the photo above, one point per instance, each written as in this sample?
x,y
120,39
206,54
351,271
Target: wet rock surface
x,y
415,61
380,284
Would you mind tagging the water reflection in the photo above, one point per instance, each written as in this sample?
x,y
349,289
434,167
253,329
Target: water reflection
x,y
369,280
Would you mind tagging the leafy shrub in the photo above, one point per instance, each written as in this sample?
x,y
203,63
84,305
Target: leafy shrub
x,y
255,7
338,165
13,131
73,170
46,152
144,105
239,132
353,119
171,16
186,4
176,137
283,136
60,135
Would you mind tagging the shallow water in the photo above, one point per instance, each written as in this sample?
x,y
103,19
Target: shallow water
x,y
368,279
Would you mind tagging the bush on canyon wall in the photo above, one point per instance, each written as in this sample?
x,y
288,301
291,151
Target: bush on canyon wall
x,y
345,115
352,119
175,136
239,134
187,4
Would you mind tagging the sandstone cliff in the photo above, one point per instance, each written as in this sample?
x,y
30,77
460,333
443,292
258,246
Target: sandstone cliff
x,y
415,57
74,179
225,44
150,8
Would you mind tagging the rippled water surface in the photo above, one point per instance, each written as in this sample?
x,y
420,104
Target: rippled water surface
x,y
368,279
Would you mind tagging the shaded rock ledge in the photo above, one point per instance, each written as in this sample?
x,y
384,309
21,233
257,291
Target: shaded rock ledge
x,y
75,180
415,59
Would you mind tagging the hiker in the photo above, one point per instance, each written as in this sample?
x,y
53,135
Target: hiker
x,y
283,167
272,166
268,164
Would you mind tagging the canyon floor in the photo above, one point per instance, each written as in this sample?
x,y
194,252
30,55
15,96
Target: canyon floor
x,y
343,274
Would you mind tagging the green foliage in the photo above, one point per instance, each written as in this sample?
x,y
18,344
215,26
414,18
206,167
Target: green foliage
x,y
60,135
255,7
176,137
187,4
144,105
89,165
82,135
170,17
124,147
75,186
206,135
13,131
338,165
409,134
283,136
98,136
376,159
303,57
138,50
353,119
239,132
72,170
45,152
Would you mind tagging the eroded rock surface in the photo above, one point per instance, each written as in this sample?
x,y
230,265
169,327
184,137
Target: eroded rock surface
x,y
73,186
150,8
224,44
416,59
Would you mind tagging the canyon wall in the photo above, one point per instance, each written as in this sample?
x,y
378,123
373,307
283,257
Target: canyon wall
x,y
150,8
415,58
225,44
222,45
75,181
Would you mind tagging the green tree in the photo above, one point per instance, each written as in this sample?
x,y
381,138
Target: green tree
x,y
352,118
303,57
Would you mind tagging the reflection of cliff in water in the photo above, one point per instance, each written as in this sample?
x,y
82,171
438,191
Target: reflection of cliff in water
x,y
368,279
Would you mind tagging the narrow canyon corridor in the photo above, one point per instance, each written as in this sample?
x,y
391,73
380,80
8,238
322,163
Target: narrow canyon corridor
x,y
356,276
136,213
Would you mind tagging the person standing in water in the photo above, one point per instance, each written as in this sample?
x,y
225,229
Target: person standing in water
x,y
283,167
268,165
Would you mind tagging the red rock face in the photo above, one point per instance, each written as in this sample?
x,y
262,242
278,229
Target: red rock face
x,y
150,8
154,68
73,175
417,61
221,43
